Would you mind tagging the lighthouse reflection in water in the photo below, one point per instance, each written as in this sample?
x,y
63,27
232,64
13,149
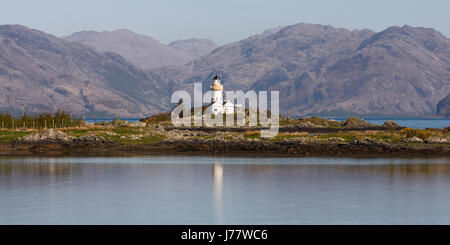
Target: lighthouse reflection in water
x,y
218,192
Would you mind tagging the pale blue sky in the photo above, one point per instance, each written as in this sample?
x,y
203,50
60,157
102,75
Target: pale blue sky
x,y
220,20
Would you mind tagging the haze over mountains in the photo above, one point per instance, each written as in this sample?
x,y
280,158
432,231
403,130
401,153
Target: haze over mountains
x,y
143,51
402,71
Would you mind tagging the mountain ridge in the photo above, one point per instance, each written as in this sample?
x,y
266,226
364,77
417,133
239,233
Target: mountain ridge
x,y
318,69
41,72
143,51
321,69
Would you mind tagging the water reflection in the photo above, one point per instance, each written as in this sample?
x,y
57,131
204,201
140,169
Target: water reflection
x,y
217,171
61,167
214,190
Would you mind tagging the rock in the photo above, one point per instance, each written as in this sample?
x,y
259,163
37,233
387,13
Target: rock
x,y
317,122
137,124
160,128
391,124
109,133
47,136
436,140
308,124
336,139
412,140
51,136
354,122
91,139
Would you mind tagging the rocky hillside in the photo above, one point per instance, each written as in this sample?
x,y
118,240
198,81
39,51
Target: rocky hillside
x,y
195,47
443,107
317,69
324,70
40,72
143,51
400,71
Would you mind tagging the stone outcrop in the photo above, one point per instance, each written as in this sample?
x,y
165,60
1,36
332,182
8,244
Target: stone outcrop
x,y
354,122
51,136
47,136
443,107
391,124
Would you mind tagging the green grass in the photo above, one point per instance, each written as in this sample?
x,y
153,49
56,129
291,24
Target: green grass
x,y
252,135
81,132
288,136
346,137
119,131
8,136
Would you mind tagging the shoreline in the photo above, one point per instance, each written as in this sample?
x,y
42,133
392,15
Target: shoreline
x,y
310,137
233,149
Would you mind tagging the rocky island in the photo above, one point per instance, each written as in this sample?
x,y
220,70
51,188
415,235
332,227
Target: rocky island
x,y
313,136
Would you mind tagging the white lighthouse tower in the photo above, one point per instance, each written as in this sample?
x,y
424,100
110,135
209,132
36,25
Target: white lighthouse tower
x,y
216,89
218,104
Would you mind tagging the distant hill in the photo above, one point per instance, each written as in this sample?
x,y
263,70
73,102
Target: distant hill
x,y
325,70
195,47
443,107
143,51
41,72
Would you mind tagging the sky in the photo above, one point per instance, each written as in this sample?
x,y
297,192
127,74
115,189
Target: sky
x,y
223,21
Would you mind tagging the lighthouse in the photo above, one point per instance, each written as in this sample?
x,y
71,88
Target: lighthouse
x,y
218,104
216,89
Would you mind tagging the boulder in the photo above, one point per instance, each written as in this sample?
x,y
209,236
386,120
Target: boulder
x,y
48,136
354,122
391,124
413,139
91,139
436,140
52,136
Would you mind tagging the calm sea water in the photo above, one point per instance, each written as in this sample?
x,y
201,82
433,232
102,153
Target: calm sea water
x,y
221,190
406,122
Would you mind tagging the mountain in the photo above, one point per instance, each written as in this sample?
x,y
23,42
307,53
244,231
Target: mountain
x,y
195,47
41,72
143,51
400,71
325,70
443,107
318,69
